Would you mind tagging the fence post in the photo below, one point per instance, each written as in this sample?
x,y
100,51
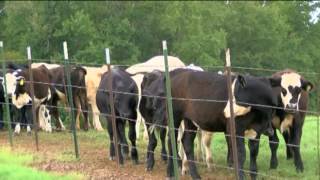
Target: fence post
x,y
113,114
318,122
70,98
169,105
34,115
4,70
231,119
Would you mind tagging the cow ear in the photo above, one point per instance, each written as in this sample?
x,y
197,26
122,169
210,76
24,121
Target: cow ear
x,y
275,81
306,85
242,80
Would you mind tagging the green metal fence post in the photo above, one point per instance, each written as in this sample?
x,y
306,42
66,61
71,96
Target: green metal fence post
x,y
4,70
170,110
70,98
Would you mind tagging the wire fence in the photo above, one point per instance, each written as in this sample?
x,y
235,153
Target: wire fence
x,y
313,113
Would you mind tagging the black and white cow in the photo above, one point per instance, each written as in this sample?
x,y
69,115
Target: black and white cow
x,y
213,115
292,96
19,89
125,104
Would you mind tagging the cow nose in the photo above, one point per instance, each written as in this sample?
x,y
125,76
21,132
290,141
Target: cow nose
x,y
292,106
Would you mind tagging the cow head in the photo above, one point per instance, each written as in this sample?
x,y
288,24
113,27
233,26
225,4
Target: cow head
x,y
16,87
291,85
153,91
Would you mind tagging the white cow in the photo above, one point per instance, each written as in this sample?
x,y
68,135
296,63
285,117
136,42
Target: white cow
x,y
155,63
93,78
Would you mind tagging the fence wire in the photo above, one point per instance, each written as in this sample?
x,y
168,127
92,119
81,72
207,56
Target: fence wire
x,y
316,113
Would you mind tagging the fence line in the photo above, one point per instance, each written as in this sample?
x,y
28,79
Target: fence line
x,y
163,126
76,62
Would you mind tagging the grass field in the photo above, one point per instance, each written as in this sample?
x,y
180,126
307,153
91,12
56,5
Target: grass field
x,y
13,166
56,151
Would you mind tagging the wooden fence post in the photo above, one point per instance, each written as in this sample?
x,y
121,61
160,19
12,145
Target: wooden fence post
x,y
113,114
231,121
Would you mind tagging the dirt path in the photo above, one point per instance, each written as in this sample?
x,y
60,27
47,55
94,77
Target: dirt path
x,y
56,154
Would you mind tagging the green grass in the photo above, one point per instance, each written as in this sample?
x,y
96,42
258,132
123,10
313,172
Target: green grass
x,y
286,168
13,166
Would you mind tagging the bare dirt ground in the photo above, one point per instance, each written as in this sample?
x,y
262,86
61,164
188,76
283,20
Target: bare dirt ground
x,y
56,154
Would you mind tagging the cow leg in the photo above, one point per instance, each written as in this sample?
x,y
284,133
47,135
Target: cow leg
x,y
286,137
122,137
150,152
206,142
241,154
274,144
95,117
110,132
163,133
77,104
295,143
85,110
112,143
188,144
27,114
139,120
54,112
254,150
229,153
133,138
1,117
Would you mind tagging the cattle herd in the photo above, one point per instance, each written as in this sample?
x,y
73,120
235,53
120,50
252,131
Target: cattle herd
x,y
200,104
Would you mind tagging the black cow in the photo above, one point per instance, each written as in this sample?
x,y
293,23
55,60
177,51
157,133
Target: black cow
x,y
213,115
79,93
292,95
151,87
2,100
125,104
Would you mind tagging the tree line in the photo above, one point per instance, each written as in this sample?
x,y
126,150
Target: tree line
x,y
260,34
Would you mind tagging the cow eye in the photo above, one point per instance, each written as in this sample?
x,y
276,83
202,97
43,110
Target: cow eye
x,y
284,91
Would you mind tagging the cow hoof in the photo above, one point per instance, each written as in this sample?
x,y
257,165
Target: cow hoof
x,y
273,165
299,169
111,158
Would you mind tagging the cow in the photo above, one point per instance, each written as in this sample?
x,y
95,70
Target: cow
x,y
125,105
292,96
59,82
209,110
19,89
151,87
93,78
154,63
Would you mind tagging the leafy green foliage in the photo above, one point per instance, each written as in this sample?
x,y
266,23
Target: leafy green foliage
x,y
268,35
